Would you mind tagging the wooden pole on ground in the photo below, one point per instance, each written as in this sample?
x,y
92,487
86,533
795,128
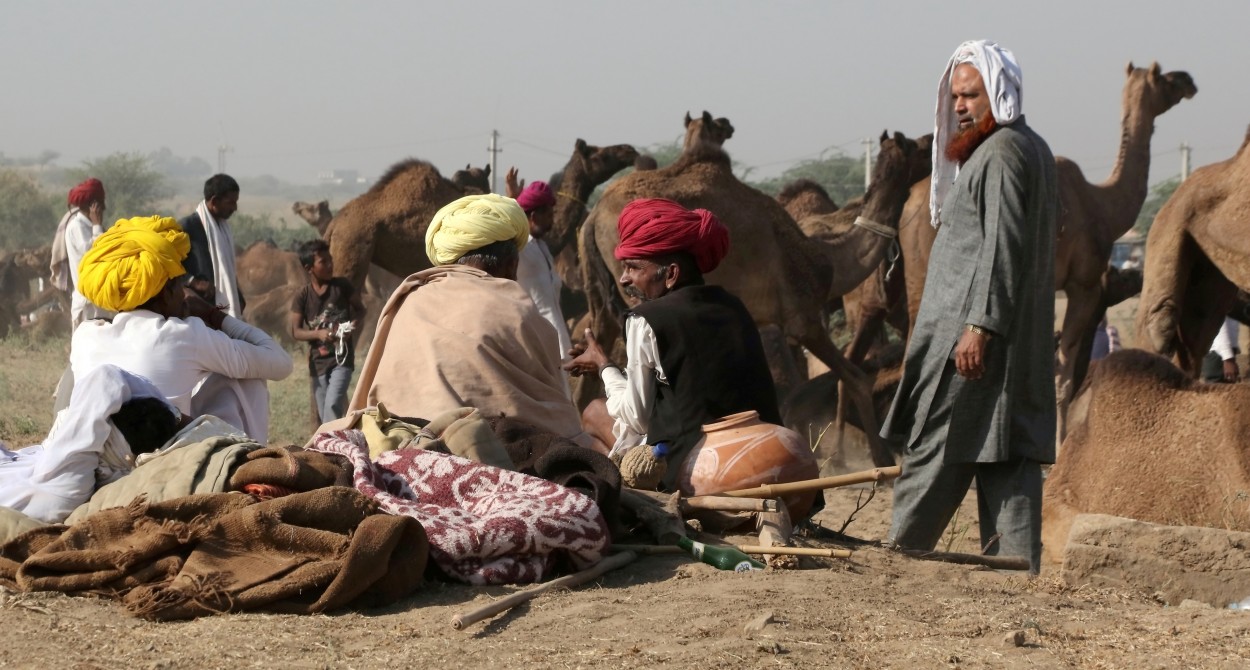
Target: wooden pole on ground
x,y
996,562
650,549
807,485
608,564
728,504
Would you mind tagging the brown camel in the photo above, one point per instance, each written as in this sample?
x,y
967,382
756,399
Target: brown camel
x,y
1091,218
18,269
263,267
784,277
318,216
1149,443
386,225
588,167
1197,257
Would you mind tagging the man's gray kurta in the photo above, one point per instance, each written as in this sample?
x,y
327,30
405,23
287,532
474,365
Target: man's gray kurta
x,y
992,265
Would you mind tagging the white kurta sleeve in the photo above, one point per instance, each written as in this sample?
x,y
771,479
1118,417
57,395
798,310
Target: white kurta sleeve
x,y
241,351
1226,340
631,392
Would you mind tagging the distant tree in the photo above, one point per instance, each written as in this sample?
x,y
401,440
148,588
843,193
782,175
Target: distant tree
x,y
28,215
1159,194
165,162
131,185
841,175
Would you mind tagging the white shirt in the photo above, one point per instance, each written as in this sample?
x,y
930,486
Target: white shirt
x,y
536,273
80,232
177,355
631,392
1226,340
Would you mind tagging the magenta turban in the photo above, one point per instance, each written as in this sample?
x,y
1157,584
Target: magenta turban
x,y
655,227
536,195
87,192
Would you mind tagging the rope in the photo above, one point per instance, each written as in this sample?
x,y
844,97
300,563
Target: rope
x,y
570,196
874,227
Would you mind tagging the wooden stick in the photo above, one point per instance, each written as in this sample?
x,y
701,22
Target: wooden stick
x,y
650,549
609,563
729,504
657,517
774,490
996,562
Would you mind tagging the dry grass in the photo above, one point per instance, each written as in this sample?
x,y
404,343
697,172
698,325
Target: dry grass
x,y
35,365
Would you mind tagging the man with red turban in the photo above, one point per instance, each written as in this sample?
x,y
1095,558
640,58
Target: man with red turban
x,y
693,351
536,272
78,228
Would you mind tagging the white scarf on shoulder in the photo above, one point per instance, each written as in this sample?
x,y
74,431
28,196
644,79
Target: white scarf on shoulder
x,y
221,252
1003,82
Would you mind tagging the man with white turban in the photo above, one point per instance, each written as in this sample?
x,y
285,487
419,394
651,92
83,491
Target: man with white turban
x,y
464,333
977,398
204,363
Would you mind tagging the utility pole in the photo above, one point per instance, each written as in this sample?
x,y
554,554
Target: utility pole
x,y
494,159
1185,149
867,142
221,157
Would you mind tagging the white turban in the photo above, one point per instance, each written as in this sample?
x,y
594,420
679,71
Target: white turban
x,y
1003,84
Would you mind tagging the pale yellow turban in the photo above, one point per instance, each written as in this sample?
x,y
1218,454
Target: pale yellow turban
x,y
473,222
130,264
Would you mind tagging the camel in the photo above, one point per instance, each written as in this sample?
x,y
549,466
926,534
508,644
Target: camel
x,y
263,267
588,167
1091,218
784,277
1197,257
17,270
1149,443
318,216
386,225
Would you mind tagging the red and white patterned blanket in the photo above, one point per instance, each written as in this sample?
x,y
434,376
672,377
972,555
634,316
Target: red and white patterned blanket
x,y
486,525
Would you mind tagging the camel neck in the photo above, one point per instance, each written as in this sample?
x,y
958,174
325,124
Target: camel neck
x,y
1127,186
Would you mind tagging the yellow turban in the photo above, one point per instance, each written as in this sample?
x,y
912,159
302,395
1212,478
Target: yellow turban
x,y
130,264
473,222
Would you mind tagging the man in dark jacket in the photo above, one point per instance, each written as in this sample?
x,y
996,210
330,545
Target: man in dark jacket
x,y
694,352
212,242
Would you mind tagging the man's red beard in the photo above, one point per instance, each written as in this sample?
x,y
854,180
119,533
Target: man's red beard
x,y
966,140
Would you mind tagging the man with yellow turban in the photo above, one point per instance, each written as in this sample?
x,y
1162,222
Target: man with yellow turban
x,y
204,361
464,333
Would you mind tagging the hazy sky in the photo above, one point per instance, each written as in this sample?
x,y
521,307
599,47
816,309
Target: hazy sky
x,y
300,87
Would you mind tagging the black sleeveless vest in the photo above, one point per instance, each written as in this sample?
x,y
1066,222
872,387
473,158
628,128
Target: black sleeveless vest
x,y
714,362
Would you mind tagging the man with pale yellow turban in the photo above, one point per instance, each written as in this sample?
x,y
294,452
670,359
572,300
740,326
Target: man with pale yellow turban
x,y
204,361
464,333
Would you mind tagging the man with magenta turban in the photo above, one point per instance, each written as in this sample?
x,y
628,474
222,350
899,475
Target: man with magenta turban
x,y
693,351
464,333
204,361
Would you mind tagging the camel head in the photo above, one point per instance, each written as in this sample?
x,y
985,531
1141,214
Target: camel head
x,y
922,162
598,164
318,216
707,130
895,159
1153,91
472,180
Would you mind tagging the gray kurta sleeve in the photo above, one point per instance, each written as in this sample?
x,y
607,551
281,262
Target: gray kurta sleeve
x,y
1000,268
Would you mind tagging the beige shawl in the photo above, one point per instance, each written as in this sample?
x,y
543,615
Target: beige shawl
x,y
466,339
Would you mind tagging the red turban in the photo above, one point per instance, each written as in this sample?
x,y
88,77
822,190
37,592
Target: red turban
x,y
537,194
87,192
655,227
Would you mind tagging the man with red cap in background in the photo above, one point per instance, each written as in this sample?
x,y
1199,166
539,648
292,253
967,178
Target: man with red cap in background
x,y
693,351
74,234
536,272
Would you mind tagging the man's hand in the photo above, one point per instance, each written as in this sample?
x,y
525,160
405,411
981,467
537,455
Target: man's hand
x,y
1231,372
970,355
589,360
512,187
95,213
210,314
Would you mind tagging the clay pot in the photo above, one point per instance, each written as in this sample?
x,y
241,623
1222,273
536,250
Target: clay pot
x,y
740,451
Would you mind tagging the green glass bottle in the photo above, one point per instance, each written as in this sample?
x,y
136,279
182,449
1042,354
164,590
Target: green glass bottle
x,y
724,558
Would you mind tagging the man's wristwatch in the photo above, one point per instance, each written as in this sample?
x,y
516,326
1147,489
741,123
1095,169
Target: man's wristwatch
x,y
983,332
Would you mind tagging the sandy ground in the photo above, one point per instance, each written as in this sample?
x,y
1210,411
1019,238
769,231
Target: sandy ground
x,y
877,609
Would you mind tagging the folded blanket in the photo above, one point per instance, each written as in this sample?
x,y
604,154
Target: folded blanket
x,y
196,555
485,525
201,467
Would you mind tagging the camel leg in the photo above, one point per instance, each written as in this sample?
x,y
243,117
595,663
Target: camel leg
x,y
856,385
1085,308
